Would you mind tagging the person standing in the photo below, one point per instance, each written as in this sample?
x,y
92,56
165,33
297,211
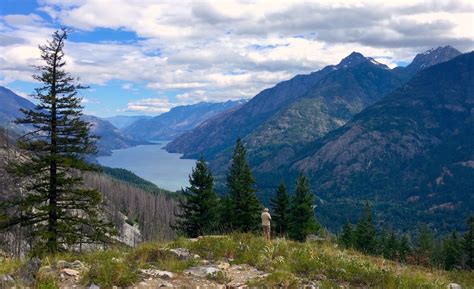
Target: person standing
x,y
266,217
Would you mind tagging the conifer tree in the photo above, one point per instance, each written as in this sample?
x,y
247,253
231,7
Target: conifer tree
x,y
347,236
365,233
243,204
280,208
302,219
59,210
391,247
404,248
424,245
452,251
199,206
468,243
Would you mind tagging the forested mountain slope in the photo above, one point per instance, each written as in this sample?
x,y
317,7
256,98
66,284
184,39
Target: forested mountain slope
x,y
412,153
178,120
280,121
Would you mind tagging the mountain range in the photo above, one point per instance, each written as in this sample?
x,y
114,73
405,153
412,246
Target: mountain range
x,y
412,153
281,120
121,132
399,138
123,121
110,139
178,120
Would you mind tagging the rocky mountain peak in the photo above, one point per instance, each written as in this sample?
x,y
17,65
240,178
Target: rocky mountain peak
x,y
432,56
352,59
356,58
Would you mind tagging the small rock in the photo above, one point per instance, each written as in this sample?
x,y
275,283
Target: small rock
x,y
223,265
181,253
164,284
70,272
454,286
78,265
313,238
203,271
6,281
321,277
93,286
158,273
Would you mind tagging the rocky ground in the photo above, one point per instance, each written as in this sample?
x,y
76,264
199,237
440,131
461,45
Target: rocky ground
x,y
229,261
205,274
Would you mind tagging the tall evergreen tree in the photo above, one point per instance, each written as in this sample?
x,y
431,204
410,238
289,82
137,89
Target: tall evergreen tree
x,y
347,236
391,247
280,209
468,243
365,233
404,248
59,210
452,251
424,245
243,204
199,206
302,219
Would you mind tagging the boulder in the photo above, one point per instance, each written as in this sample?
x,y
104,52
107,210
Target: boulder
x,y
313,238
158,273
203,271
76,265
70,272
183,254
7,281
27,273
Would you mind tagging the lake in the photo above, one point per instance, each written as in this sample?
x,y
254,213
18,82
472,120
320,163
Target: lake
x,y
152,163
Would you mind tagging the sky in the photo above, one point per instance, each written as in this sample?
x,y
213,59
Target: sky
x,y
145,57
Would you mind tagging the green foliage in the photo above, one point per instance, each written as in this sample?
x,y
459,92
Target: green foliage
x,y
452,251
468,243
280,206
199,207
404,248
424,245
157,256
302,219
243,205
347,236
131,178
365,233
54,206
110,268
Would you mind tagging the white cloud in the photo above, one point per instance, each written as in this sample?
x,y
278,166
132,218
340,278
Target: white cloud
x,y
152,105
229,49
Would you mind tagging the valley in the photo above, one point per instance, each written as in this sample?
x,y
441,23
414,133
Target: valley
x,y
236,144
153,163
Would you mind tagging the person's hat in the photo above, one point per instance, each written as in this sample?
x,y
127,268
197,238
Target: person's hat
x,y
265,210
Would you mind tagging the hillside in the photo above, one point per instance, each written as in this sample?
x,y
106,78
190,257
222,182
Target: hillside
x,y
111,138
280,121
234,261
411,154
10,103
178,120
122,121
139,212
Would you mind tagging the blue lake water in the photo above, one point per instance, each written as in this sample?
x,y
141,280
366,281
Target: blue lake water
x,y
152,163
